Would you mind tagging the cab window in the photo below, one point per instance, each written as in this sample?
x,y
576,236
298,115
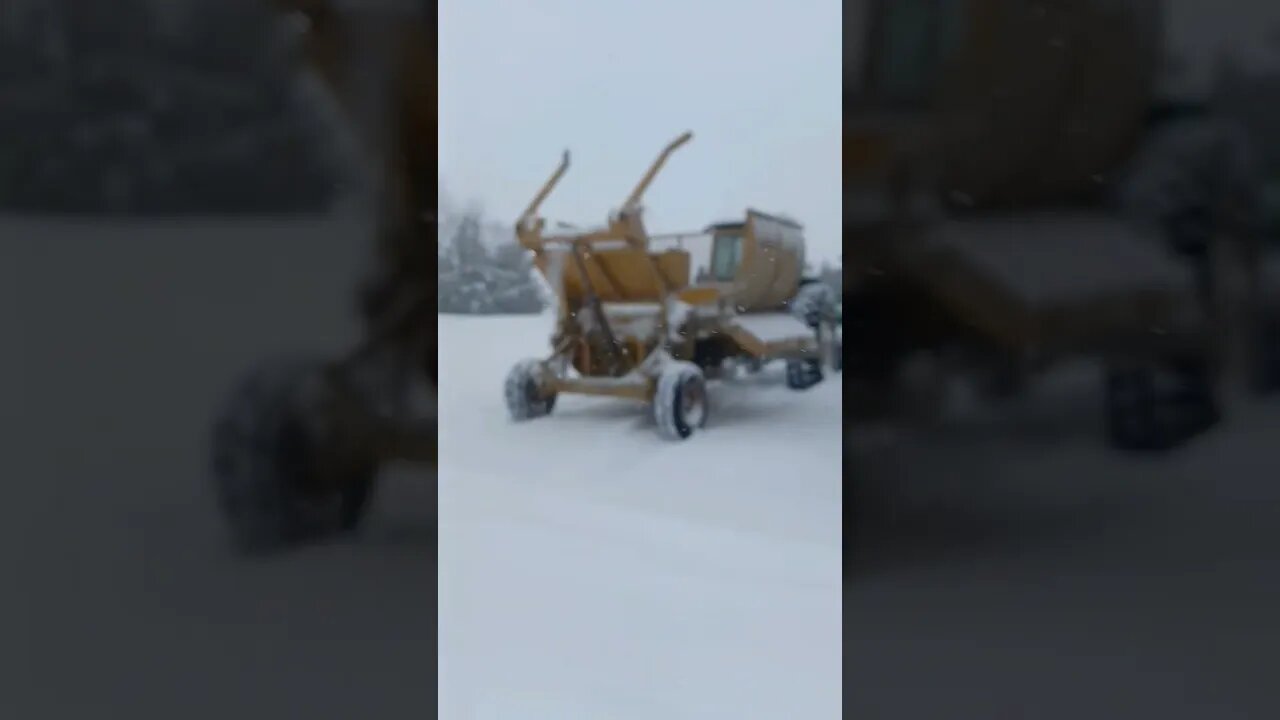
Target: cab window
x,y
726,255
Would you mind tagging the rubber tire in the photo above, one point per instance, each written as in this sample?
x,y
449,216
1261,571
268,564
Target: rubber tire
x,y
668,401
260,453
525,400
1142,416
803,374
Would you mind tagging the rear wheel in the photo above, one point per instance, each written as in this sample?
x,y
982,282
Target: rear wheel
x,y
680,403
803,374
525,392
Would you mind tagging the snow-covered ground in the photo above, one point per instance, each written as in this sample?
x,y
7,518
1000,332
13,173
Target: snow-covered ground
x,y
695,580
589,569
1017,567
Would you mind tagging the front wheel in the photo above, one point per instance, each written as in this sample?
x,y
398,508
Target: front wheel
x,y
680,403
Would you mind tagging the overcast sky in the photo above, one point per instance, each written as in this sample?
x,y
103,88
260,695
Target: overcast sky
x,y
757,81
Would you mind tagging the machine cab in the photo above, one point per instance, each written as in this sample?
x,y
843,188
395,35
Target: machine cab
x,y
755,263
726,252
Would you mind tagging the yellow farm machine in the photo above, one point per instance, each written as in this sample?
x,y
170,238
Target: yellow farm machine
x,y
634,321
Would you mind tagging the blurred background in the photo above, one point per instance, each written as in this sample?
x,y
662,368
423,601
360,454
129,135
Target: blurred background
x,y
1060,290
147,108
179,201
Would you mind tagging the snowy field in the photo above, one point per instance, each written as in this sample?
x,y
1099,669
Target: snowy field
x,y
692,581
1016,567
590,570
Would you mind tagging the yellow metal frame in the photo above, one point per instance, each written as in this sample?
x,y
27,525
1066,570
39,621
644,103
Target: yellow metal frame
x,y
625,231
617,262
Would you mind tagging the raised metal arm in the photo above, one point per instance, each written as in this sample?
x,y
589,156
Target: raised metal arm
x,y
547,187
633,200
